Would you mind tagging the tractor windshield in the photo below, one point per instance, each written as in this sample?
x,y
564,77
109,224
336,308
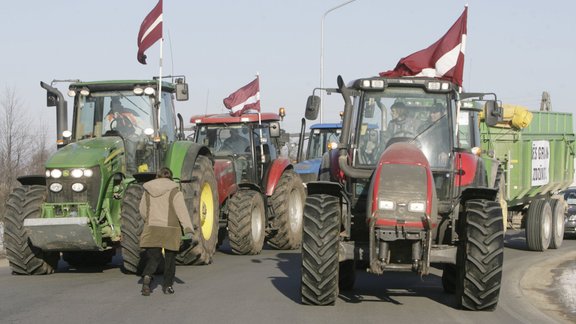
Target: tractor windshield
x,y
225,139
320,141
112,112
403,115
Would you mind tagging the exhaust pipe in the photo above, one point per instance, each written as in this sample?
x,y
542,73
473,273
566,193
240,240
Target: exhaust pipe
x,y
299,157
55,98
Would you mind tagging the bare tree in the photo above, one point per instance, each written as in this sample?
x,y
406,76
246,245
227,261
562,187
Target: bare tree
x,y
21,149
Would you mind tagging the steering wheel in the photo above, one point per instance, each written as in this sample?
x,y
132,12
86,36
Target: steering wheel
x,y
121,123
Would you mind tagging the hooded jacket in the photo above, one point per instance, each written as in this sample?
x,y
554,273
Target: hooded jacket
x,y
165,215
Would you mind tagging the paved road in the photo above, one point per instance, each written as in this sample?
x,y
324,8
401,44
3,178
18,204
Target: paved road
x,y
265,289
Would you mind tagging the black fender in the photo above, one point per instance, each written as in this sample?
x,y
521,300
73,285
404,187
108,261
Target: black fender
x,y
31,180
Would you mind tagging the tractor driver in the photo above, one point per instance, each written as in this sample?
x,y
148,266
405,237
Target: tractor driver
x,y
236,142
123,122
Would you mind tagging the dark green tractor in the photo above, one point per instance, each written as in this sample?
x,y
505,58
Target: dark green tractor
x,y
85,206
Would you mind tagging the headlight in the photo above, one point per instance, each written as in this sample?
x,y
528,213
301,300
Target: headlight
x,y
56,187
386,204
78,187
76,173
88,173
56,173
416,207
47,173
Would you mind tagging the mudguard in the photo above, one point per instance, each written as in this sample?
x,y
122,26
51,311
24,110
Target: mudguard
x,y
226,179
182,155
274,173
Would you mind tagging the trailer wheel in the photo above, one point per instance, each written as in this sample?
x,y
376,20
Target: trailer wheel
x,y
288,204
480,256
24,202
558,206
319,276
201,198
539,225
246,222
132,225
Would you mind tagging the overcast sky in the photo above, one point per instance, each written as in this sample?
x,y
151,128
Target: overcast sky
x,y
515,48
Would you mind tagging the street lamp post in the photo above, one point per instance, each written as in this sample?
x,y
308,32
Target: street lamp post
x,y
322,54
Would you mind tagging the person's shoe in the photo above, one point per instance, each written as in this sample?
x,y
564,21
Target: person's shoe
x,y
168,290
146,285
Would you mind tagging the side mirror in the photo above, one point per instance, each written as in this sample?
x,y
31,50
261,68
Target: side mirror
x,y
275,129
493,113
312,107
181,91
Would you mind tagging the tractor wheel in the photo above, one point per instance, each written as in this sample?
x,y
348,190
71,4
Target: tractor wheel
x,y
132,225
480,256
24,202
288,205
539,225
319,277
346,275
88,259
558,206
201,198
246,222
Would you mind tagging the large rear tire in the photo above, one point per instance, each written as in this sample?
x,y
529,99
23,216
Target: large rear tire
x,y
132,226
558,206
246,222
201,198
319,277
288,205
539,225
23,203
480,256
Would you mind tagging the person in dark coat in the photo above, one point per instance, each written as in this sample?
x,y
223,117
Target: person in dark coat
x,y
165,218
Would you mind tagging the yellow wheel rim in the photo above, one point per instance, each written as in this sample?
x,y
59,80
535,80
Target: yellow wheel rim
x,y
206,211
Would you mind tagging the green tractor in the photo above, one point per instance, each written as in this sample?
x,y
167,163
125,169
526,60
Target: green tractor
x,y
86,206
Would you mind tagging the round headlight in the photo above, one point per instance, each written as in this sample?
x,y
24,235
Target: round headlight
x,y
78,187
56,173
66,134
47,173
149,131
56,187
76,173
88,173
149,91
138,91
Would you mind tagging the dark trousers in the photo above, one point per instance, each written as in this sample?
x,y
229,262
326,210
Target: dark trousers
x,y
153,259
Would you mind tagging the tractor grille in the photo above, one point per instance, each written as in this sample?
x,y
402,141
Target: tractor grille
x,y
67,195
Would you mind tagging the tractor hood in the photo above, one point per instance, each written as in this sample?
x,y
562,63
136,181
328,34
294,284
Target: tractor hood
x,y
87,153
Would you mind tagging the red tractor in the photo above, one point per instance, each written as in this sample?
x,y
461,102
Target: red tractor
x,y
405,194
260,195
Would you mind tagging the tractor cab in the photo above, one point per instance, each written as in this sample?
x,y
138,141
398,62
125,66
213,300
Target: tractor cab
x,y
128,110
320,140
251,141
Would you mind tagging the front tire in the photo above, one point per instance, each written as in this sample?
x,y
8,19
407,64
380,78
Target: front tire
x,y
23,203
246,222
288,205
539,225
558,206
132,226
201,198
480,256
319,277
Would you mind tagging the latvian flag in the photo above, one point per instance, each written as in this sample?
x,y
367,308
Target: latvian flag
x,y
244,99
443,59
150,31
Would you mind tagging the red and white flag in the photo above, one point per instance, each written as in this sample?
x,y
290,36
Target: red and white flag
x,y
150,31
244,99
443,59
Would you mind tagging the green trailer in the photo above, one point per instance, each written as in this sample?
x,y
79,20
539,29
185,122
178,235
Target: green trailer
x,y
536,161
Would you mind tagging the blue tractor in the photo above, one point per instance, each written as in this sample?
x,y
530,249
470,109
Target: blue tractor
x,y
322,138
